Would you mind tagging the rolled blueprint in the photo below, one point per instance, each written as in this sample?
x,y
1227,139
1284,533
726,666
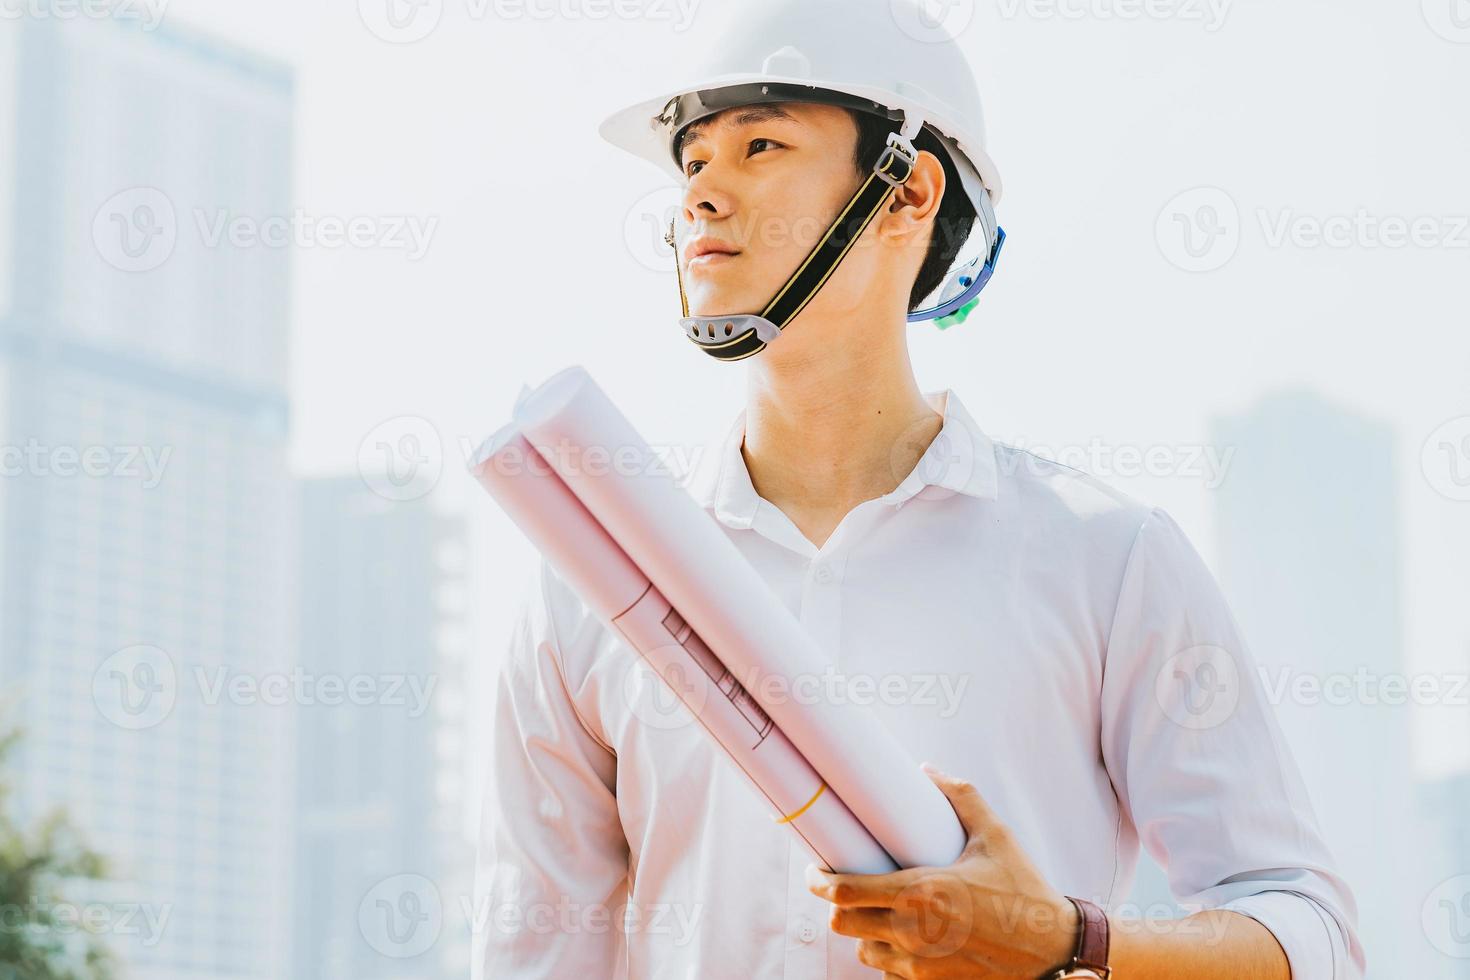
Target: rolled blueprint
x,y
612,586
688,558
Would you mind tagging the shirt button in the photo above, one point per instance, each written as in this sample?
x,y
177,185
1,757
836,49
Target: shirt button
x,y
806,932
823,574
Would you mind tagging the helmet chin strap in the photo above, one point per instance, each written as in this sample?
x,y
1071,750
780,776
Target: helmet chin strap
x,y
736,336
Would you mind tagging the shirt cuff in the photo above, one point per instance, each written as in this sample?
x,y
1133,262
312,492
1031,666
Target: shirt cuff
x,y
1308,933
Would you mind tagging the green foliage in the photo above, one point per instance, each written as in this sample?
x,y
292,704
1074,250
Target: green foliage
x,y
41,935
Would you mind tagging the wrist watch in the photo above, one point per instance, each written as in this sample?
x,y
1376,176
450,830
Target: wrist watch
x,y
1090,958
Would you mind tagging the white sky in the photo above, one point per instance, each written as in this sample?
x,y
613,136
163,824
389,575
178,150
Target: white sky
x,y
1311,109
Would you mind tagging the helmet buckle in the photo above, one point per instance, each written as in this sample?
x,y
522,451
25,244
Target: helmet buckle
x,y
896,163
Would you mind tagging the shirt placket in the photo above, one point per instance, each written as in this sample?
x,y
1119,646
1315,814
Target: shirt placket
x,y
809,940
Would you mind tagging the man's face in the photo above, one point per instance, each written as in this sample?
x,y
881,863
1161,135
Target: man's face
x,y
762,184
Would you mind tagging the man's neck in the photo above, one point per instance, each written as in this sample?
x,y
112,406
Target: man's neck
x,y
835,427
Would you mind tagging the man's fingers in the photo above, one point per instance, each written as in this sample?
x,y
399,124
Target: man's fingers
x,y
863,923
883,956
872,891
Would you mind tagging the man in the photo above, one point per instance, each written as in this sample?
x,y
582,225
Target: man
x,y
1057,649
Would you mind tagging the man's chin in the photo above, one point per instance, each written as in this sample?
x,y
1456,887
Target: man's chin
x,y
724,305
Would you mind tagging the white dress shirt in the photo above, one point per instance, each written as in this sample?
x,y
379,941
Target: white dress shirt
x,y
1015,622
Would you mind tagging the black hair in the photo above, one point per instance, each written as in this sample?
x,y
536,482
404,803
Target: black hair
x,y
956,215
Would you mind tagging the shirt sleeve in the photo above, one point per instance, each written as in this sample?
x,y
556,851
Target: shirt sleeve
x,y
552,864
1200,763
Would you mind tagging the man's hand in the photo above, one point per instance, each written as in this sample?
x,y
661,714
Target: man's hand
x,y
990,914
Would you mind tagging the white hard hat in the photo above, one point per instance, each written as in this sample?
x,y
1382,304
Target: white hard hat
x,y
879,56
883,52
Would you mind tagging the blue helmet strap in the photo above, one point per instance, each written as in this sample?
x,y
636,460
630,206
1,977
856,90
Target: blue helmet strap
x,y
969,279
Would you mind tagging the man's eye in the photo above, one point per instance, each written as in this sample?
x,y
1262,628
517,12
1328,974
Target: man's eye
x,y
756,145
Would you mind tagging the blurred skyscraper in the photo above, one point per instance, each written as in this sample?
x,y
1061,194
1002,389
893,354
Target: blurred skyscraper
x,y
1446,909
1308,543
381,868
146,544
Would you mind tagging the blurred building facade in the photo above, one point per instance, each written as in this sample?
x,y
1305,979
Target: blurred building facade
x,y
1308,542
146,523
1446,908
381,869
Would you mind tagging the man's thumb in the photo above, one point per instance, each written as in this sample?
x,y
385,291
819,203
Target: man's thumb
x,y
975,814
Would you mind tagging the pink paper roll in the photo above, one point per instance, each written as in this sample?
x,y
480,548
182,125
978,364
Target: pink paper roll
x,y
688,557
614,588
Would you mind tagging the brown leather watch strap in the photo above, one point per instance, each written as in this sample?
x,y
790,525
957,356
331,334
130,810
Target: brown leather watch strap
x,y
1092,938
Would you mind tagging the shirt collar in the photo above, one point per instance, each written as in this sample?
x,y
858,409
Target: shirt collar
x,y
961,459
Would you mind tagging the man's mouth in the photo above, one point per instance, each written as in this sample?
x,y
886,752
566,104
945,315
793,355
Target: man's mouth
x,y
710,259
707,252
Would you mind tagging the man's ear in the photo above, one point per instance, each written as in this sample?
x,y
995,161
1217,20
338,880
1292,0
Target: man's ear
x,y
915,204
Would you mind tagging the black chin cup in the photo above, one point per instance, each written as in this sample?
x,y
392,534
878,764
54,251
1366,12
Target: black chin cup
x,y
730,338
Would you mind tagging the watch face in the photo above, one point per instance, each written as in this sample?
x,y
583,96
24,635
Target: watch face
x,y
1080,973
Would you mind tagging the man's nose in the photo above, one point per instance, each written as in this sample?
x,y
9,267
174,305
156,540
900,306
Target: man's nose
x,y
706,197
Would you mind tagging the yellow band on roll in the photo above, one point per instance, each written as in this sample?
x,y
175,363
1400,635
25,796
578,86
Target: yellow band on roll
x,y
805,807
